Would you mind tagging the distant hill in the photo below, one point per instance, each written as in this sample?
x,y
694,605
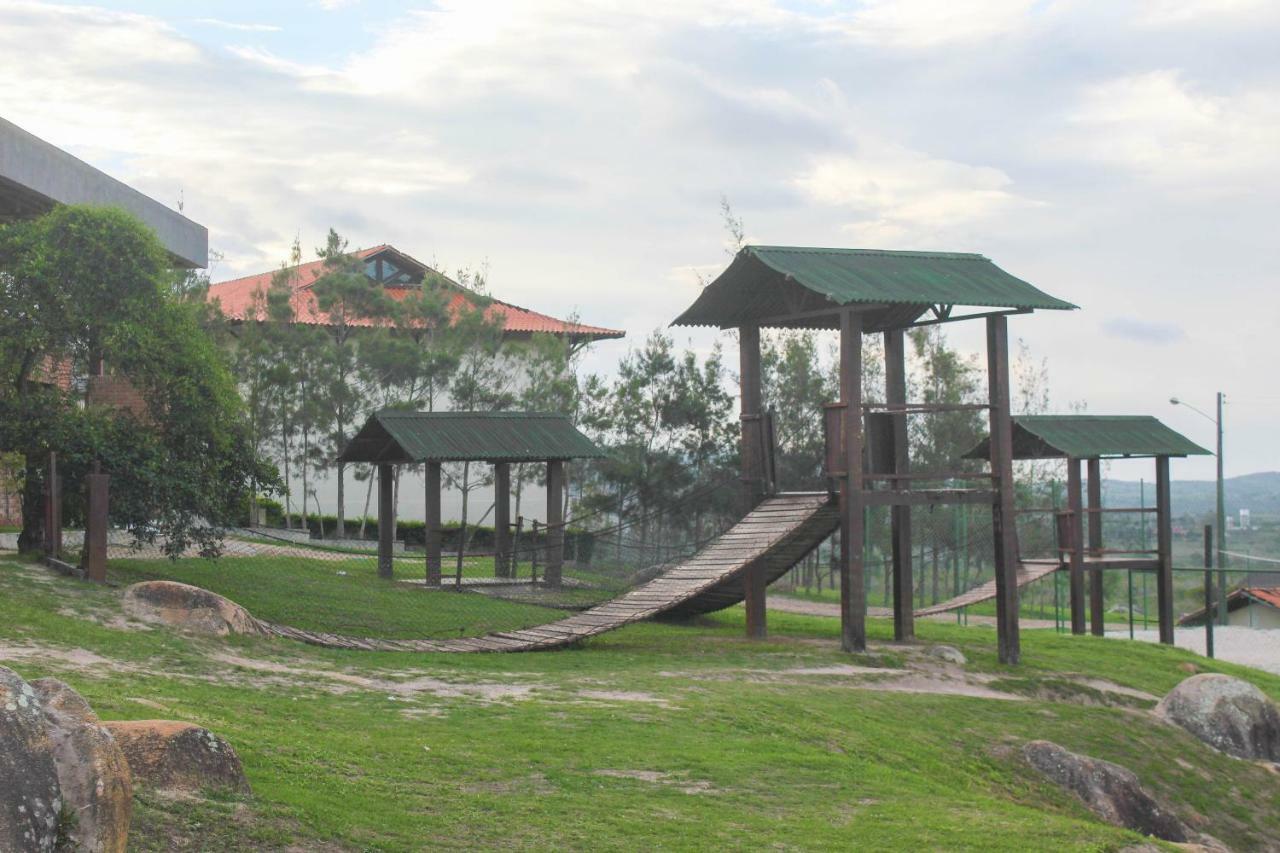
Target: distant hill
x,y
1259,493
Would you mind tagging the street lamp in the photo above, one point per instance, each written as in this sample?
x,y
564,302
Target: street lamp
x,y
1222,509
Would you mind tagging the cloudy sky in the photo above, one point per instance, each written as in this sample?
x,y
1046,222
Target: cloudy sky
x,y
1124,156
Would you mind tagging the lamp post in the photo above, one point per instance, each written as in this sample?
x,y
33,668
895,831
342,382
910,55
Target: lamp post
x,y
1222,507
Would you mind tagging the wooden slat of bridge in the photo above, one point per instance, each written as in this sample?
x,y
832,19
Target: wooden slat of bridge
x,y
1029,571
774,536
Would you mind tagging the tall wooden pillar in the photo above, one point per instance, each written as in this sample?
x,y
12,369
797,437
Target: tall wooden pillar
x,y
1004,531
52,508
753,586
555,523
95,528
386,520
432,533
1096,604
1075,542
1164,551
853,594
502,519
895,388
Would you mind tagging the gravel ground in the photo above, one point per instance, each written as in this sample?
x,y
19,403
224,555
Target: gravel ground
x,y
1254,647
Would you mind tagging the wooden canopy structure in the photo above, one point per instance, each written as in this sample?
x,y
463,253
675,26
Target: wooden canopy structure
x,y
1090,439
391,438
861,291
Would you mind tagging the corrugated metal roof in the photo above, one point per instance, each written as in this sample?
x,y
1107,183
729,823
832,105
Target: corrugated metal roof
x,y
237,300
399,437
765,281
1089,436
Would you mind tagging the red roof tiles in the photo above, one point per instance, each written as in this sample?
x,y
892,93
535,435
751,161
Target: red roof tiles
x,y
237,299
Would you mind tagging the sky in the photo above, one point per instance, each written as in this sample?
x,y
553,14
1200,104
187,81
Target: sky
x,y
1124,156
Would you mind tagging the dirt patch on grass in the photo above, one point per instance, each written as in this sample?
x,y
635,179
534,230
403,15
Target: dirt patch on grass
x,y
679,781
624,696
76,657
339,682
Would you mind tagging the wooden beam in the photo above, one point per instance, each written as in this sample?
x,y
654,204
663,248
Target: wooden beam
x,y
752,452
1096,604
432,535
1003,519
928,497
1164,550
1075,552
853,594
502,519
987,315
553,573
895,387
386,521
95,526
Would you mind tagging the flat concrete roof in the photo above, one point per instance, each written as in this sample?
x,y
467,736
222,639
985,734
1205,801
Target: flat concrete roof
x,y
35,176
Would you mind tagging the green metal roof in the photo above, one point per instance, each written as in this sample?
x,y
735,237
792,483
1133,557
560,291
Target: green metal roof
x,y
1090,436
398,437
766,282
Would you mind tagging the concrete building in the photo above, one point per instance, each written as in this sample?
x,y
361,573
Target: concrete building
x,y
35,176
1248,607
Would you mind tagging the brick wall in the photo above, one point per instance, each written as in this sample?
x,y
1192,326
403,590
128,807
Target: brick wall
x,y
116,392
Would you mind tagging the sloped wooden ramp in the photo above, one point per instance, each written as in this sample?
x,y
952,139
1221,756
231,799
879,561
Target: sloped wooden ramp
x,y
1029,571
773,537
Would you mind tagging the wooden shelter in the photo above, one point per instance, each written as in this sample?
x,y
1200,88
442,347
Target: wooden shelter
x,y
861,292
391,438
1089,439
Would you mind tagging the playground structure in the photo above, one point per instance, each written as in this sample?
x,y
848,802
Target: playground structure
x,y
392,438
866,463
1089,439
863,292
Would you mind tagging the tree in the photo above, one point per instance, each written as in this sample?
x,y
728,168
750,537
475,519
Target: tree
x,y
350,301
81,285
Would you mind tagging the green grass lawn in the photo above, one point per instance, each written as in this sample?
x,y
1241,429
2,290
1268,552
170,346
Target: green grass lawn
x,y
666,736
344,596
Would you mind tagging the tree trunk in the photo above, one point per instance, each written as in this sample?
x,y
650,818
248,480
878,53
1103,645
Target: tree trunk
x,y
288,506
341,531
462,526
32,535
364,516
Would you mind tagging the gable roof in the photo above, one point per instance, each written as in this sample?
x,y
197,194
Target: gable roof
x,y
236,298
1237,598
398,437
765,282
1090,436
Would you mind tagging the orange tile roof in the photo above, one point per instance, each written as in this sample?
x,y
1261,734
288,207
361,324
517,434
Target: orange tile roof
x,y
236,298
1270,595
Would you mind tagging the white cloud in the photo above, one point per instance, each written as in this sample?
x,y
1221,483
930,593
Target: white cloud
x,y
1158,126
232,25
921,24
900,195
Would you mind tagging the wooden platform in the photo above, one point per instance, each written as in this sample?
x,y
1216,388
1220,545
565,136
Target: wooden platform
x,y
775,536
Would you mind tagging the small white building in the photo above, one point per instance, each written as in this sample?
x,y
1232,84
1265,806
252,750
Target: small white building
x,y
1248,607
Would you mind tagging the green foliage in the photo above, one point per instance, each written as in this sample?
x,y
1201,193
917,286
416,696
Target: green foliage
x,y
84,284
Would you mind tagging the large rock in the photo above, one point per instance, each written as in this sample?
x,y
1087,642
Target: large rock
x,y
30,798
171,756
92,771
1110,791
188,607
1230,715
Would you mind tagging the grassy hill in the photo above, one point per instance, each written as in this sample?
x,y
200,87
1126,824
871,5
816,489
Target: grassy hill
x,y
657,736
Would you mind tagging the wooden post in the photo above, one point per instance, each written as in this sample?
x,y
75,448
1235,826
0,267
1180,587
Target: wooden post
x,y
502,520
433,535
386,521
1097,612
555,523
853,595
1075,549
53,508
1003,520
1164,551
95,528
753,587
895,387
